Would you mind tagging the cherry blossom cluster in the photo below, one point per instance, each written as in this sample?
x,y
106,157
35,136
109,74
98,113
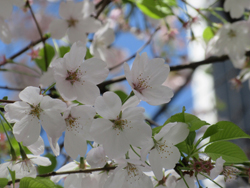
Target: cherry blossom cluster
x,y
125,151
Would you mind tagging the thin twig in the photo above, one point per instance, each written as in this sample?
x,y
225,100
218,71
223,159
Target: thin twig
x,y
6,101
10,88
71,172
28,47
138,51
40,33
104,4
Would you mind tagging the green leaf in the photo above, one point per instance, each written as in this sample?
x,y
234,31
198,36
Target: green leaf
x,y
13,176
230,152
191,137
156,130
88,54
210,131
47,169
183,147
3,182
63,50
208,34
38,182
50,54
228,131
194,123
121,94
5,98
156,8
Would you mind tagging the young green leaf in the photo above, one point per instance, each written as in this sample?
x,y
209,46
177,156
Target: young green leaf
x,y
3,182
228,131
28,182
41,63
230,152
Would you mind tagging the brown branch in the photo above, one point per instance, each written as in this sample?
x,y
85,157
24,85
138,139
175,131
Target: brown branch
x,y
138,51
10,88
6,101
194,65
104,4
71,172
40,33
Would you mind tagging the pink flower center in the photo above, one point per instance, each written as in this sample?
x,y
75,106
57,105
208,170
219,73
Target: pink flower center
x,y
74,76
72,22
72,124
141,83
231,33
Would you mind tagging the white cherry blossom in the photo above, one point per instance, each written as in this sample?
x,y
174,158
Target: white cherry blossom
x,y
38,147
24,168
232,40
77,80
102,39
119,127
96,157
146,78
78,120
162,150
236,8
76,21
33,110
128,174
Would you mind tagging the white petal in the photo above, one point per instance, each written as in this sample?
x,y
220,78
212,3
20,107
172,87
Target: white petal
x,y
75,144
177,133
131,102
89,25
86,92
58,28
4,172
65,88
39,160
89,8
5,33
53,123
96,157
50,104
108,106
157,95
155,162
16,111
38,147
75,57
96,70
27,130
218,168
146,148
73,181
77,34
114,142
54,145
31,95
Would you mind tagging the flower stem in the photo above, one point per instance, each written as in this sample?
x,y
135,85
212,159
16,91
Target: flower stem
x,y
130,95
12,151
210,179
44,93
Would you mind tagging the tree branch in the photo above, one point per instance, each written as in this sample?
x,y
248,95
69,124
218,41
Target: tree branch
x,y
138,51
40,33
104,4
106,168
10,88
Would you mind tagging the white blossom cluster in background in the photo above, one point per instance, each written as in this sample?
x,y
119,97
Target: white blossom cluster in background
x,y
117,131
